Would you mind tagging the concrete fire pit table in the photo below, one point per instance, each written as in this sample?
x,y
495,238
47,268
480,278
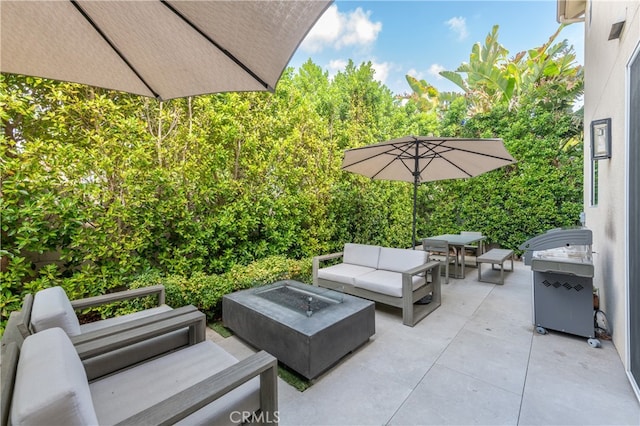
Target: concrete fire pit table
x,y
307,328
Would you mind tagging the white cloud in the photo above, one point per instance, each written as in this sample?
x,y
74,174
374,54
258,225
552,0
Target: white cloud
x,y
358,29
382,70
325,32
435,69
415,74
458,25
337,30
336,65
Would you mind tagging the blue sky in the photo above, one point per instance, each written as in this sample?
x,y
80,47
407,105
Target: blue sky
x,y
421,37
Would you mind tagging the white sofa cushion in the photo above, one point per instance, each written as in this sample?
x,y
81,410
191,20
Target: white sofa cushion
x,y
361,254
51,385
401,260
52,308
386,282
345,273
121,395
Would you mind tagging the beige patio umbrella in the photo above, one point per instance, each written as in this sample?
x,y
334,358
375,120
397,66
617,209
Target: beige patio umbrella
x,y
420,159
163,49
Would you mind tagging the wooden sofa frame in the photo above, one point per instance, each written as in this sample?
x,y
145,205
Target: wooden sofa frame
x,y
412,313
178,406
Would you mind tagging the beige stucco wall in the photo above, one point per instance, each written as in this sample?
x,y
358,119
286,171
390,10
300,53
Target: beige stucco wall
x,y
606,97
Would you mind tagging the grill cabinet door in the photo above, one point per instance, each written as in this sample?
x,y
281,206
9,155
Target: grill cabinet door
x,y
564,303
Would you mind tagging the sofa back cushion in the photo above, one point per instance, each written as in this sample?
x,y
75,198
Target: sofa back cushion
x,y
400,260
51,385
361,254
52,308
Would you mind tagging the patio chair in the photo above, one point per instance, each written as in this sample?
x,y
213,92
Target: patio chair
x,y
439,250
476,249
52,308
193,322
200,384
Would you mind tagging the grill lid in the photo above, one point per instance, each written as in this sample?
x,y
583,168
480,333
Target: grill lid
x,y
559,238
572,260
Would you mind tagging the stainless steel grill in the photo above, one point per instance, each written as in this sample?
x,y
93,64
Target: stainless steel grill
x,y
562,281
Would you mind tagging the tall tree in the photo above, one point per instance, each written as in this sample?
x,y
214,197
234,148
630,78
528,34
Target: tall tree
x,y
492,77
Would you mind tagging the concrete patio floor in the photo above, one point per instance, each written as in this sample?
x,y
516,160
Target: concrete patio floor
x,y
475,360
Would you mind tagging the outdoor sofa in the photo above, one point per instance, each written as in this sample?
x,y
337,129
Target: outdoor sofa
x,y
391,276
44,380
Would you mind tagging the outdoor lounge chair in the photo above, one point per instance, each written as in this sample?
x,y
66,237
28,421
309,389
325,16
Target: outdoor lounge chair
x,y
44,382
193,322
51,308
439,250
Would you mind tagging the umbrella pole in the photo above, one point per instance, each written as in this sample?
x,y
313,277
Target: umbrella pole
x,y
415,197
416,182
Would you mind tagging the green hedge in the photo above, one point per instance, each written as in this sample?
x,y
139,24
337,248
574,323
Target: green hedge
x,y
201,290
206,291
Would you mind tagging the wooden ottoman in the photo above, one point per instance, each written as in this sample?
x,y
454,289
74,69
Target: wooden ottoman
x,y
495,257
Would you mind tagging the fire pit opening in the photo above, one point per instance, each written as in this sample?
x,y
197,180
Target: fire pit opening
x,y
296,299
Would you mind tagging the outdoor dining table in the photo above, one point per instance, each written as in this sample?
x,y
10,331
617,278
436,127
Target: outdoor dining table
x,y
458,241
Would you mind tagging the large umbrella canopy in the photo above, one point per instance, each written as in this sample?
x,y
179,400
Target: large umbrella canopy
x,y
158,48
420,159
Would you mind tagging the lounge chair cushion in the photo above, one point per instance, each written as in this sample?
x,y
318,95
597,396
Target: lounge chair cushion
x,y
345,273
52,308
51,385
121,395
386,282
401,260
361,254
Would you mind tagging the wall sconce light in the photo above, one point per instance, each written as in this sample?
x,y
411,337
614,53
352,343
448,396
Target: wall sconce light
x,y
601,139
616,30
